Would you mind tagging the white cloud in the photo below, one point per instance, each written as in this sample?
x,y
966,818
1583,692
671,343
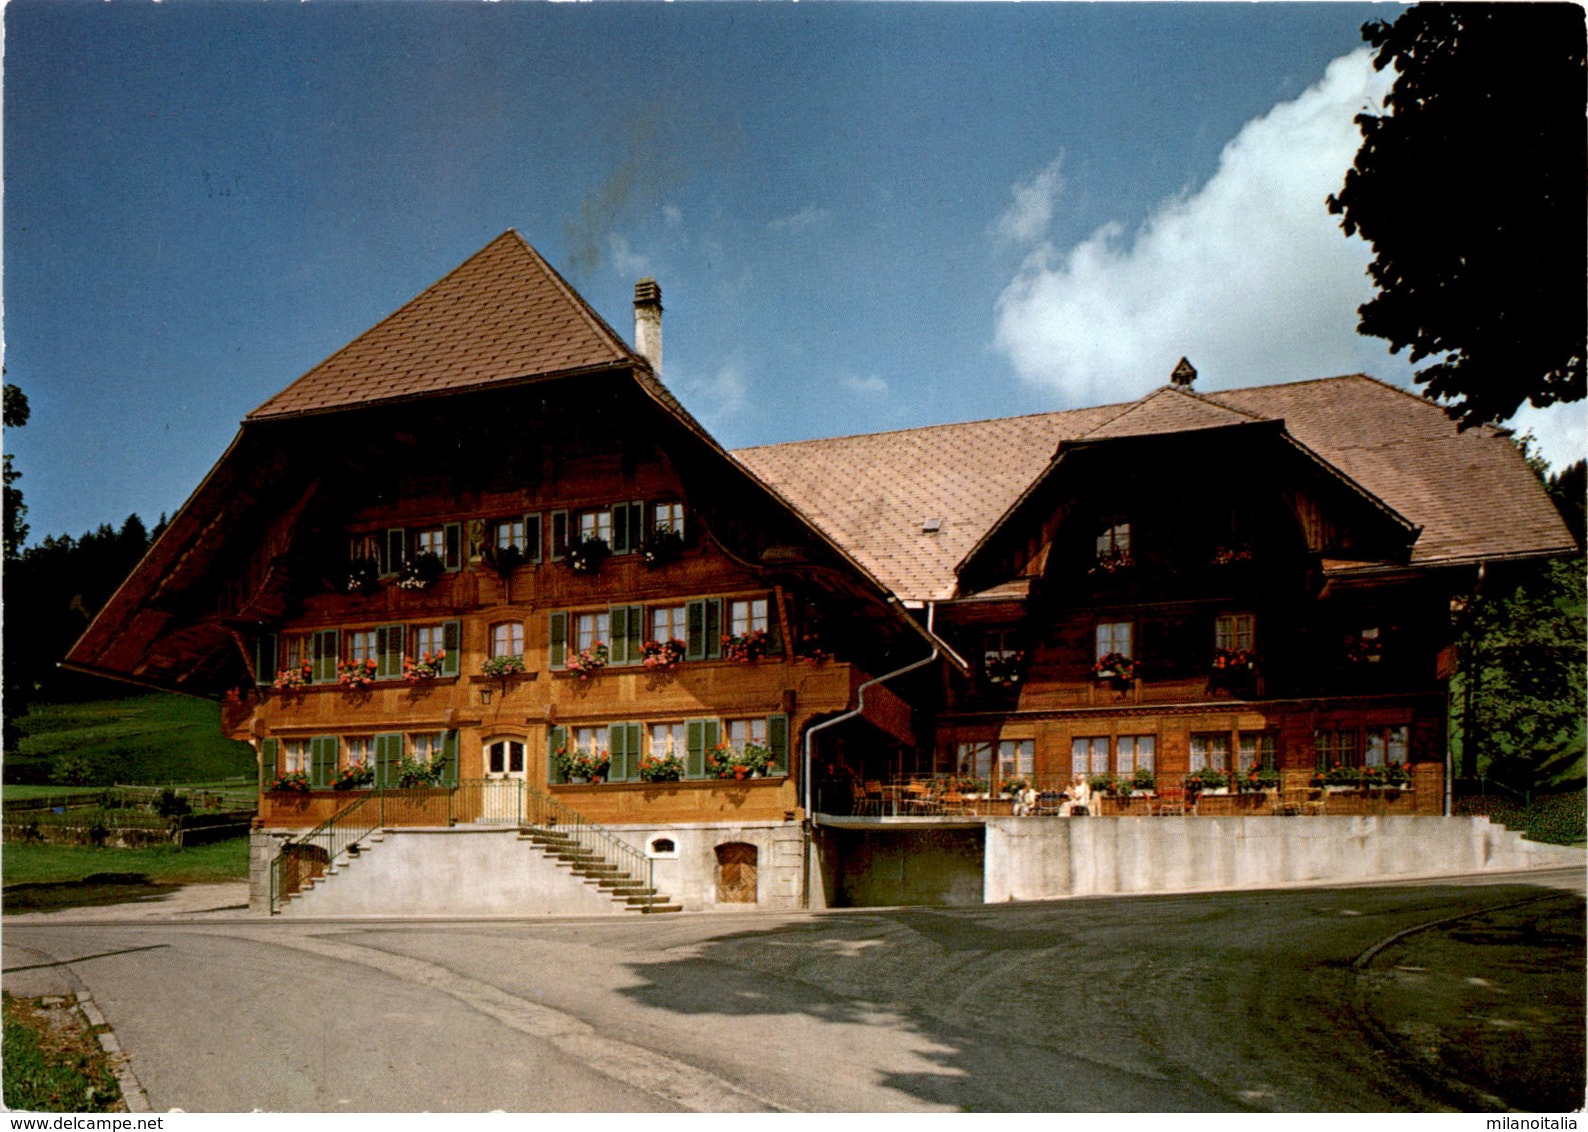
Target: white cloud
x,y
1248,276
625,260
673,215
805,219
1561,432
713,398
1027,218
869,386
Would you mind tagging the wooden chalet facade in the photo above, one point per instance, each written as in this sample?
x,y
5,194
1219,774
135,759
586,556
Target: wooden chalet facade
x,y
482,543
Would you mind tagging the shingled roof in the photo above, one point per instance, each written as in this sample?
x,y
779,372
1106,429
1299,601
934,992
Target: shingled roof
x,y
503,315
1470,492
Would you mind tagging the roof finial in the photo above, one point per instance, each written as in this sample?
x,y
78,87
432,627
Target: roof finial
x,y
1184,374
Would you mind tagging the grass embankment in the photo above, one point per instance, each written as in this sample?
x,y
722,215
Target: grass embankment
x,y
155,739
53,1062
48,878
1555,819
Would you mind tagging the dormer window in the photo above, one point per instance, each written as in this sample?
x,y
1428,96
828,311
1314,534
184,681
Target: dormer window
x,y
1113,549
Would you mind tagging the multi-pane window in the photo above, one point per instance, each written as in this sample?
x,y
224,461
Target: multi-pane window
x,y
1384,745
591,740
427,746
507,639
362,645
1210,751
505,756
297,752
1089,754
431,540
359,751
1114,637
1114,541
1234,631
431,640
510,534
1017,758
668,623
592,629
1135,752
743,731
974,759
668,517
595,525
667,739
747,616
1335,745
998,644
1257,749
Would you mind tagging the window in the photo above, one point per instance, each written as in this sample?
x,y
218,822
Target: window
x,y
592,629
368,547
1114,542
1210,751
1017,758
747,616
1257,749
1135,752
668,517
431,540
507,639
628,527
1384,745
1089,754
667,739
505,756
667,623
520,534
1114,637
1335,745
445,542
297,751
1233,631
432,641
360,751
595,525
745,731
703,633
428,746
973,759
998,644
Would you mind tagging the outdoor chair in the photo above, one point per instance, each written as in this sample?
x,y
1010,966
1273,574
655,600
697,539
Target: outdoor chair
x,y
864,803
1171,800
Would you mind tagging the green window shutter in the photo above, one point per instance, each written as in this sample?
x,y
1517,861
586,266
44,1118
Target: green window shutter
x,y
396,551
327,651
777,740
265,658
556,739
452,540
558,654
322,760
269,752
774,628
559,535
452,643
636,633
623,741
449,750
695,630
389,643
618,646
533,550
713,627
637,525
388,759
700,737
620,528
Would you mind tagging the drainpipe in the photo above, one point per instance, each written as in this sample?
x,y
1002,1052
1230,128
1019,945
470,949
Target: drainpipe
x,y
810,735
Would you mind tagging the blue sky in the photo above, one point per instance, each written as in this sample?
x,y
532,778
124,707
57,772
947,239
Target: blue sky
x,y
862,216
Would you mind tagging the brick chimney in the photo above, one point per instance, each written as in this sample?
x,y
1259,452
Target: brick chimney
x,y
648,323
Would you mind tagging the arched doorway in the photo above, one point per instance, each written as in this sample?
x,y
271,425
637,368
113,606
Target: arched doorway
x,y
736,873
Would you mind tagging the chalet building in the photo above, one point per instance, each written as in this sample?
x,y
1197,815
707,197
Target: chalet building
x,y
479,571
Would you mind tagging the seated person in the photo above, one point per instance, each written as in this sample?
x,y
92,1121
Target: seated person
x,y
1080,798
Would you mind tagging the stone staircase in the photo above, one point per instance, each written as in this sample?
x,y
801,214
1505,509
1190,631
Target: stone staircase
x,y
592,868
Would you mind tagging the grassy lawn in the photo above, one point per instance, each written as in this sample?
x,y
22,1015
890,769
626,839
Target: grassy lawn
x,y
22,863
155,739
52,1061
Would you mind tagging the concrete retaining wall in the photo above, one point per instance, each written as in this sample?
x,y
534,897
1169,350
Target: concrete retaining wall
x,y
1044,858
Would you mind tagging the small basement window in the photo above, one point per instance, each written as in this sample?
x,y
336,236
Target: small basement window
x,y
662,847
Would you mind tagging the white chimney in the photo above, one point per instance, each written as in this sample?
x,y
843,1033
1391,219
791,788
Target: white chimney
x,y
648,323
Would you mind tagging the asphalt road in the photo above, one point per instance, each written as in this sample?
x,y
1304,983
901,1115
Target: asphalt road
x,y
1356,999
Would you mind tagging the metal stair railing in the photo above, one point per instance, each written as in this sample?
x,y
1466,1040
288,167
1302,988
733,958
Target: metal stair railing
x,y
332,837
543,812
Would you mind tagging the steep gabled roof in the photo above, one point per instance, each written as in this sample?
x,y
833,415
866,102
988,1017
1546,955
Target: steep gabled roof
x,y
1169,409
503,315
1470,493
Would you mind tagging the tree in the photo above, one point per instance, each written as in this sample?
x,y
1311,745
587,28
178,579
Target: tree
x,y
1472,193
15,414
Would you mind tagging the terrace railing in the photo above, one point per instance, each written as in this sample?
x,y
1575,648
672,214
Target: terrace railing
x,y
547,814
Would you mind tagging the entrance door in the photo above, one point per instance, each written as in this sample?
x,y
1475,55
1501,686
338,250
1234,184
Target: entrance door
x,y
502,799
